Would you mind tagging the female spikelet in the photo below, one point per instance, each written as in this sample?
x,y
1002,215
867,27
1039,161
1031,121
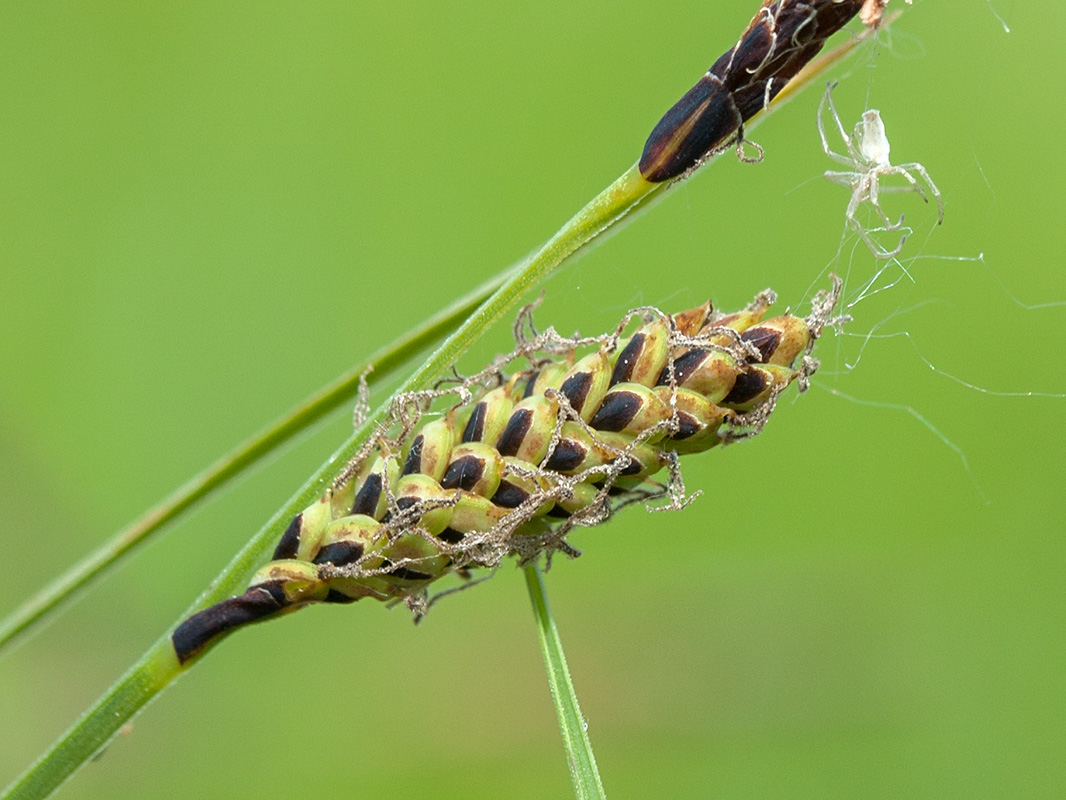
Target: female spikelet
x,y
523,458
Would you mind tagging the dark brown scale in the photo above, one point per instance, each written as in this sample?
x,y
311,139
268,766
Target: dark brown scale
x,y
290,540
515,433
765,340
413,464
333,596
747,386
339,553
627,359
405,573
463,473
567,456
475,426
508,495
366,499
451,536
688,426
684,366
617,411
576,389
531,385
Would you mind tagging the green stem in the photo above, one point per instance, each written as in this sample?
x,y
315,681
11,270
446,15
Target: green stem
x,y
386,361
579,756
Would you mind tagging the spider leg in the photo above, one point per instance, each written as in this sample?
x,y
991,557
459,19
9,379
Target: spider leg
x,y
874,189
932,188
887,254
843,178
858,194
836,116
866,189
877,250
821,127
914,185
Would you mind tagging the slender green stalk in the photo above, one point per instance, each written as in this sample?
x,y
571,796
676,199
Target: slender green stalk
x,y
385,362
579,756
159,666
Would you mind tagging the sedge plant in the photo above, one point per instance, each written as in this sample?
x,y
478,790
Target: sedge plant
x,y
776,56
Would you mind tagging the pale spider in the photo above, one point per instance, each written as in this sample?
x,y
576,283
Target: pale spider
x,y
868,157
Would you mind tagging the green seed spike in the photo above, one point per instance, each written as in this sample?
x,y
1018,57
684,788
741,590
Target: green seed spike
x,y
499,475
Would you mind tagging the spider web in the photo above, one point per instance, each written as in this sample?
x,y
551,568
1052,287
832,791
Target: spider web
x,y
893,302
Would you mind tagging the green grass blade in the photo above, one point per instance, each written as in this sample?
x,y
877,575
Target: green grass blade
x,y
60,591
579,755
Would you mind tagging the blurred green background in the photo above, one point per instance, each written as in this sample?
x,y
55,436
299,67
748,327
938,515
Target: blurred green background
x,y
208,210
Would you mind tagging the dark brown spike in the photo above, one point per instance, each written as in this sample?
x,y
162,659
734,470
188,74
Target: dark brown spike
x,y
703,120
778,42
